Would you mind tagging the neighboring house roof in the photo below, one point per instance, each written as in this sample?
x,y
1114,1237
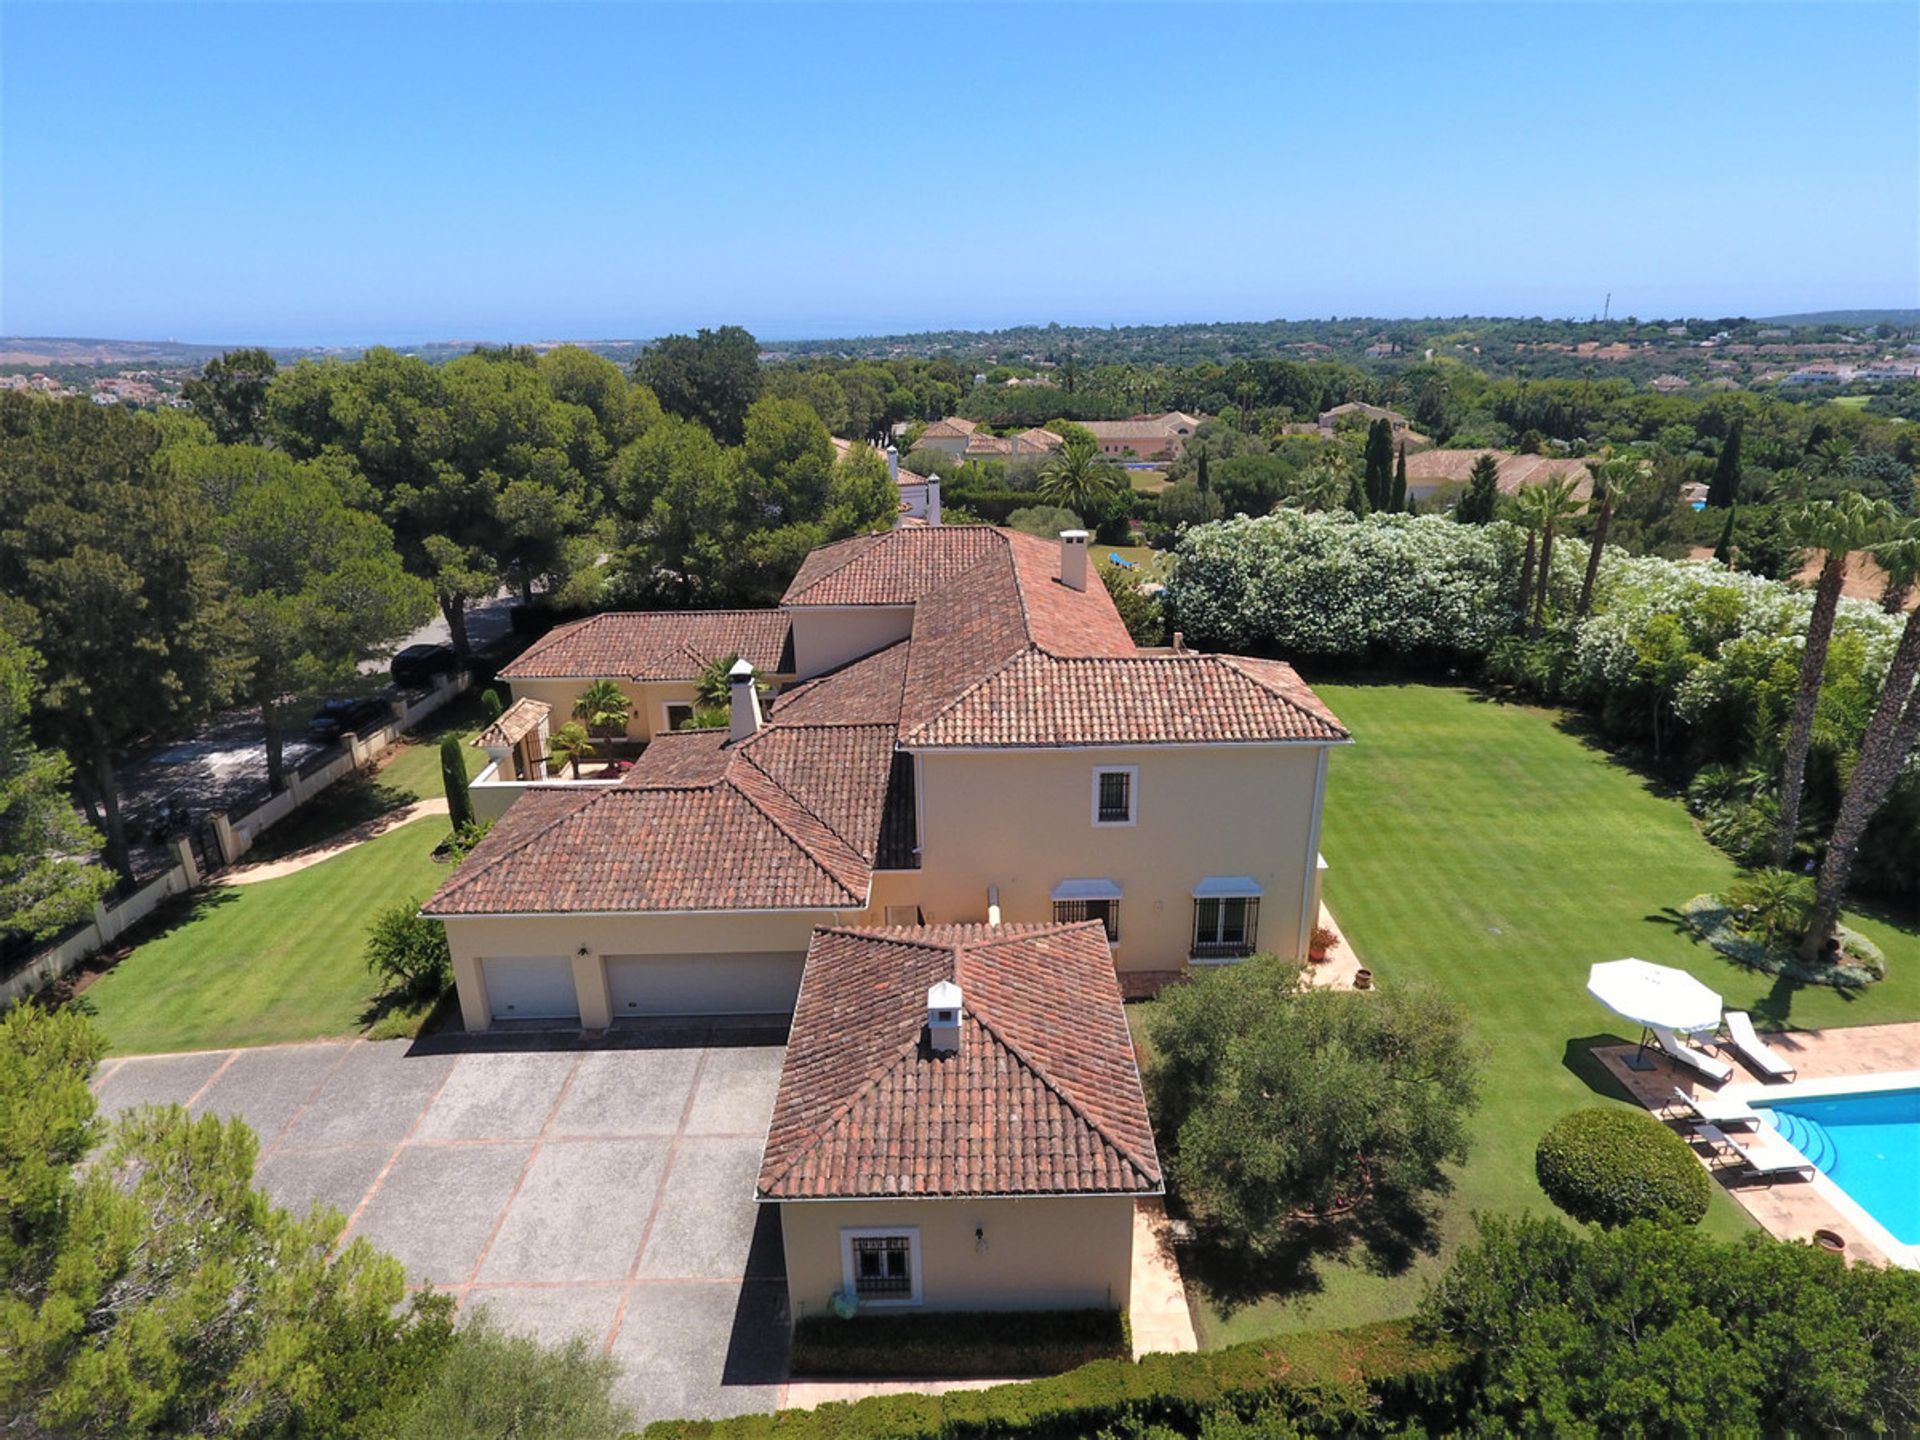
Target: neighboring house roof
x,y
516,722
905,476
1357,407
1042,438
1432,468
656,645
951,428
1042,1096
1158,427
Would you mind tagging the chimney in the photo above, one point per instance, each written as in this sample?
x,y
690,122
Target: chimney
x,y
933,500
943,1018
893,463
1179,641
743,700
1073,559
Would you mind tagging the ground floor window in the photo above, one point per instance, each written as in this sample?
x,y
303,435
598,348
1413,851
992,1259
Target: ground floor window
x,y
1225,927
1107,912
881,1267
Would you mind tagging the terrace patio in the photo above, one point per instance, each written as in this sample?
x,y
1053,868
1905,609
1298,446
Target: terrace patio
x,y
1786,1209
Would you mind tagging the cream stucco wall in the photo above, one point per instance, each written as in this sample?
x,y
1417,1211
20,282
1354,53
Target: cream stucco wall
x,y
825,637
473,938
1041,1253
648,699
1023,821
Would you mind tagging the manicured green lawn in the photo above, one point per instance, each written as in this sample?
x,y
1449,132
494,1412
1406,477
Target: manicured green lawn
x,y
415,767
1481,848
260,964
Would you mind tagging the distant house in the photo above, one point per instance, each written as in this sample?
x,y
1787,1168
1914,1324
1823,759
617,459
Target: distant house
x,y
950,436
1330,419
1382,350
1009,447
1151,437
1432,471
919,494
1819,374
1668,384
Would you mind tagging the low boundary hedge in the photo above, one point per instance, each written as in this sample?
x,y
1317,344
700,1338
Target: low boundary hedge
x,y
957,1346
1339,1382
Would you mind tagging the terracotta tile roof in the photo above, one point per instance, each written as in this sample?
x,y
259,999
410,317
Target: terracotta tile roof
x,y
861,692
1041,437
1042,1097
1037,699
1153,426
516,722
896,567
951,428
656,645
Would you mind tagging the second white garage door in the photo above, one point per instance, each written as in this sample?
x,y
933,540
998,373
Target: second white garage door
x,y
531,987
762,983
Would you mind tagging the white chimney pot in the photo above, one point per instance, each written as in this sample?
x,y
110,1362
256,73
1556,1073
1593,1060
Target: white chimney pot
x,y
743,701
945,1006
1073,559
933,500
893,463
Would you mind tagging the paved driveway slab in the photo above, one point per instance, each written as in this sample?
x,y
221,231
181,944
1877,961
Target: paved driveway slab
x,y
569,1187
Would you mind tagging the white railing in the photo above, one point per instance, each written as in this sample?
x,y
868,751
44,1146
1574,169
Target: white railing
x,y
493,797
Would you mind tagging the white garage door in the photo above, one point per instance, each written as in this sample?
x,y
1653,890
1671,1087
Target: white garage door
x,y
760,983
531,987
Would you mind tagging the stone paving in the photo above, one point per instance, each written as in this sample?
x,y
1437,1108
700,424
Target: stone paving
x,y
1786,1208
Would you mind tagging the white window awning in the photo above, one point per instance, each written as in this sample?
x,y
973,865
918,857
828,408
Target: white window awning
x,y
1086,890
1227,887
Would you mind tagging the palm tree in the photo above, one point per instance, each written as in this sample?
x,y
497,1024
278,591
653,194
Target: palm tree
x,y
1523,510
1614,481
1835,528
1883,753
569,745
1543,508
603,707
713,686
1080,479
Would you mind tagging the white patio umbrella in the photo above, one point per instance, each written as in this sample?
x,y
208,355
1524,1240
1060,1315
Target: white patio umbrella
x,y
1652,995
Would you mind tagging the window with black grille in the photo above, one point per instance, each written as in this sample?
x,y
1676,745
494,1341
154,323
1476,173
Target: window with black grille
x,y
1225,928
1066,912
1115,803
882,1267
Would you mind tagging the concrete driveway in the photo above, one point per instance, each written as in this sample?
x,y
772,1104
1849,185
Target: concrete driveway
x,y
569,1187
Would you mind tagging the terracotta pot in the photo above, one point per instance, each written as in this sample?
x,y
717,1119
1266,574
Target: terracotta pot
x,y
1363,979
1317,954
1830,1240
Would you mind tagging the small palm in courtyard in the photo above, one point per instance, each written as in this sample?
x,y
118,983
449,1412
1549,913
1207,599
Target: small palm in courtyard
x,y
1080,479
603,708
569,745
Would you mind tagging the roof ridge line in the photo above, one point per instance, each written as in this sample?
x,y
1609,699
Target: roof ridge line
x,y
765,774
1027,649
462,876
853,553
1040,1074
787,830
845,1107
1231,662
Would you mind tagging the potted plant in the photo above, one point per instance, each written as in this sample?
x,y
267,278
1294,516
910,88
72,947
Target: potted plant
x,y
1321,941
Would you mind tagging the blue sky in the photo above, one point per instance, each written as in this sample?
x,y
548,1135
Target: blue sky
x,y
331,173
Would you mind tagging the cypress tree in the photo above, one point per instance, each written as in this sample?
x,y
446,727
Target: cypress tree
x,y
1476,507
1725,487
1357,496
1400,479
1379,465
1202,479
453,775
1723,552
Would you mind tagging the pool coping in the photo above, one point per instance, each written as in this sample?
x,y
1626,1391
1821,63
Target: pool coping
x,y
1831,1087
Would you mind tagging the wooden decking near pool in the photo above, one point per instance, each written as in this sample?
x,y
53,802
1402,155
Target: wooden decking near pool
x,y
1787,1208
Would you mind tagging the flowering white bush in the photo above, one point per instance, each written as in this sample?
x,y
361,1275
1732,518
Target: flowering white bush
x,y
1332,585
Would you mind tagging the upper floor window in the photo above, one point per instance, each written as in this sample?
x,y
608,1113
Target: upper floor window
x,y
1115,797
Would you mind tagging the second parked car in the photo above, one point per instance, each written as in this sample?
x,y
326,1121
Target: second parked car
x,y
418,666
340,716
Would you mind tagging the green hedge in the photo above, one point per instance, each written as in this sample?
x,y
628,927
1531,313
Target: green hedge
x,y
1375,1378
957,1346
1610,1165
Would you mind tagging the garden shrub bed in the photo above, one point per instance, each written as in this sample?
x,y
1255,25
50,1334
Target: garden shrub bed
x,y
1611,1165
1712,919
1340,1382
957,1346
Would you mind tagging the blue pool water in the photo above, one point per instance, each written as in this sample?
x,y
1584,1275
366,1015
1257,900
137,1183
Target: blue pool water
x,y
1869,1145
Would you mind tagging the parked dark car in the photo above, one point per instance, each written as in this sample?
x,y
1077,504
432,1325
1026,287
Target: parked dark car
x,y
338,716
419,666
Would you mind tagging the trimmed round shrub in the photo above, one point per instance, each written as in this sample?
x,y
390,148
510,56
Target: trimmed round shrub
x,y
1611,1165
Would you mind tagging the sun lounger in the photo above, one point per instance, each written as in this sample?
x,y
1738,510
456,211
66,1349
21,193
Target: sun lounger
x,y
1718,1071
1779,1158
1716,1109
1755,1051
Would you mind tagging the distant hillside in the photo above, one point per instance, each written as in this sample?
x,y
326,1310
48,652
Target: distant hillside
x,y
1899,318
58,350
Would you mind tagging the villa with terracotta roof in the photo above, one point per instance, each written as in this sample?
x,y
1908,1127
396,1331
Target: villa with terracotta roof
x,y
960,730
1151,437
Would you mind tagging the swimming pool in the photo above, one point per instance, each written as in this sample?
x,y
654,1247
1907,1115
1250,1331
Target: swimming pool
x,y
1868,1144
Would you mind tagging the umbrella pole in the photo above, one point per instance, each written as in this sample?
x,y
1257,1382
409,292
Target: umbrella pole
x,y
1638,1060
